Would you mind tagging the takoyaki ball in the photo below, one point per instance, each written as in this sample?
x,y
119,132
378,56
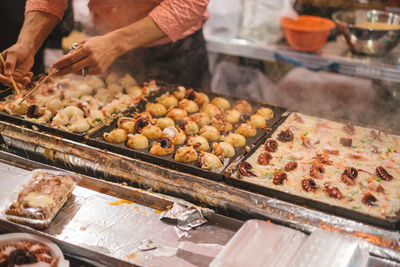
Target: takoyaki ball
x,y
163,123
112,78
151,132
202,98
115,88
170,132
79,125
95,82
116,136
73,111
189,105
243,106
162,148
210,133
179,138
221,125
246,130
54,105
16,109
200,118
236,140
232,115
156,109
128,124
223,149
145,114
134,92
189,127
177,114
168,100
210,110
258,121
127,81
221,103
185,154
140,123
209,161
198,142
180,92
137,141
267,113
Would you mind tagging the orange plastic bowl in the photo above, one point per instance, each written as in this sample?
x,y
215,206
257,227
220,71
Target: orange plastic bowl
x,y
307,33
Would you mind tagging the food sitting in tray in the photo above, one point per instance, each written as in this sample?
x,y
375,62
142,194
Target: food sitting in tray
x,y
77,104
41,199
340,164
26,253
185,125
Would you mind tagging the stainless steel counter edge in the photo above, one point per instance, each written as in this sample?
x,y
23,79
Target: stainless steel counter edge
x,y
367,67
106,165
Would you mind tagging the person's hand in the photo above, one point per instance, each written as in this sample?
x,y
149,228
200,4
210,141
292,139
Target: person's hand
x,y
19,60
95,54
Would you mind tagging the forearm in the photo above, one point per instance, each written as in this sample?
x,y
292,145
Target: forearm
x,y
138,34
37,26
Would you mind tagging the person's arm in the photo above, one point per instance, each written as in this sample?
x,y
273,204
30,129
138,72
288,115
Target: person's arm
x,y
97,53
175,17
38,23
170,19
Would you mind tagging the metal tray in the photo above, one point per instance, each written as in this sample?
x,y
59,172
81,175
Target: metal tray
x,y
43,127
96,139
389,223
84,229
4,116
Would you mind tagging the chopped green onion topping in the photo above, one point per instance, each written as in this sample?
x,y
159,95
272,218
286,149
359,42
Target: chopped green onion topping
x,y
378,179
305,134
80,96
356,208
269,176
97,120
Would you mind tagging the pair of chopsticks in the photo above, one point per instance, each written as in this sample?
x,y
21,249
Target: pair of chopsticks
x,y
15,87
38,86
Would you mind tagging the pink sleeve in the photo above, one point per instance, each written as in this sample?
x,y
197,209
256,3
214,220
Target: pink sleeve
x,y
55,7
175,17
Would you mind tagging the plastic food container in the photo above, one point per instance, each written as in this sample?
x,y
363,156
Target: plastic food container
x,y
7,241
307,33
259,244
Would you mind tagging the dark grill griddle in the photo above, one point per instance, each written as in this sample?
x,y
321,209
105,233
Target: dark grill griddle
x,y
96,139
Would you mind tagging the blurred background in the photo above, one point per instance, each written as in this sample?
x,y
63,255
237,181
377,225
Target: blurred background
x,y
250,57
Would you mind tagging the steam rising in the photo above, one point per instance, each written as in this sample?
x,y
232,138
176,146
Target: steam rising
x,y
316,93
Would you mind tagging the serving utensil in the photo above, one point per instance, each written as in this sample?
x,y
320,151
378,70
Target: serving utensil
x,y
51,74
15,87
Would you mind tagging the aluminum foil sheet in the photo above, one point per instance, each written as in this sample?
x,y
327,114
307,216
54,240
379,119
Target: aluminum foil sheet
x,y
106,165
184,217
121,229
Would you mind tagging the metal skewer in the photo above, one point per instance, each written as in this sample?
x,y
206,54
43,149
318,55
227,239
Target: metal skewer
x,y
38,86
11,78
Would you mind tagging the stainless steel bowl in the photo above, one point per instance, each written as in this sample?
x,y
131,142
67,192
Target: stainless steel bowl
x,y
366,40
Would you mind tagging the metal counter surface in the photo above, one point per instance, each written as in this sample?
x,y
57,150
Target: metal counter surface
x,y
106,225
219,196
